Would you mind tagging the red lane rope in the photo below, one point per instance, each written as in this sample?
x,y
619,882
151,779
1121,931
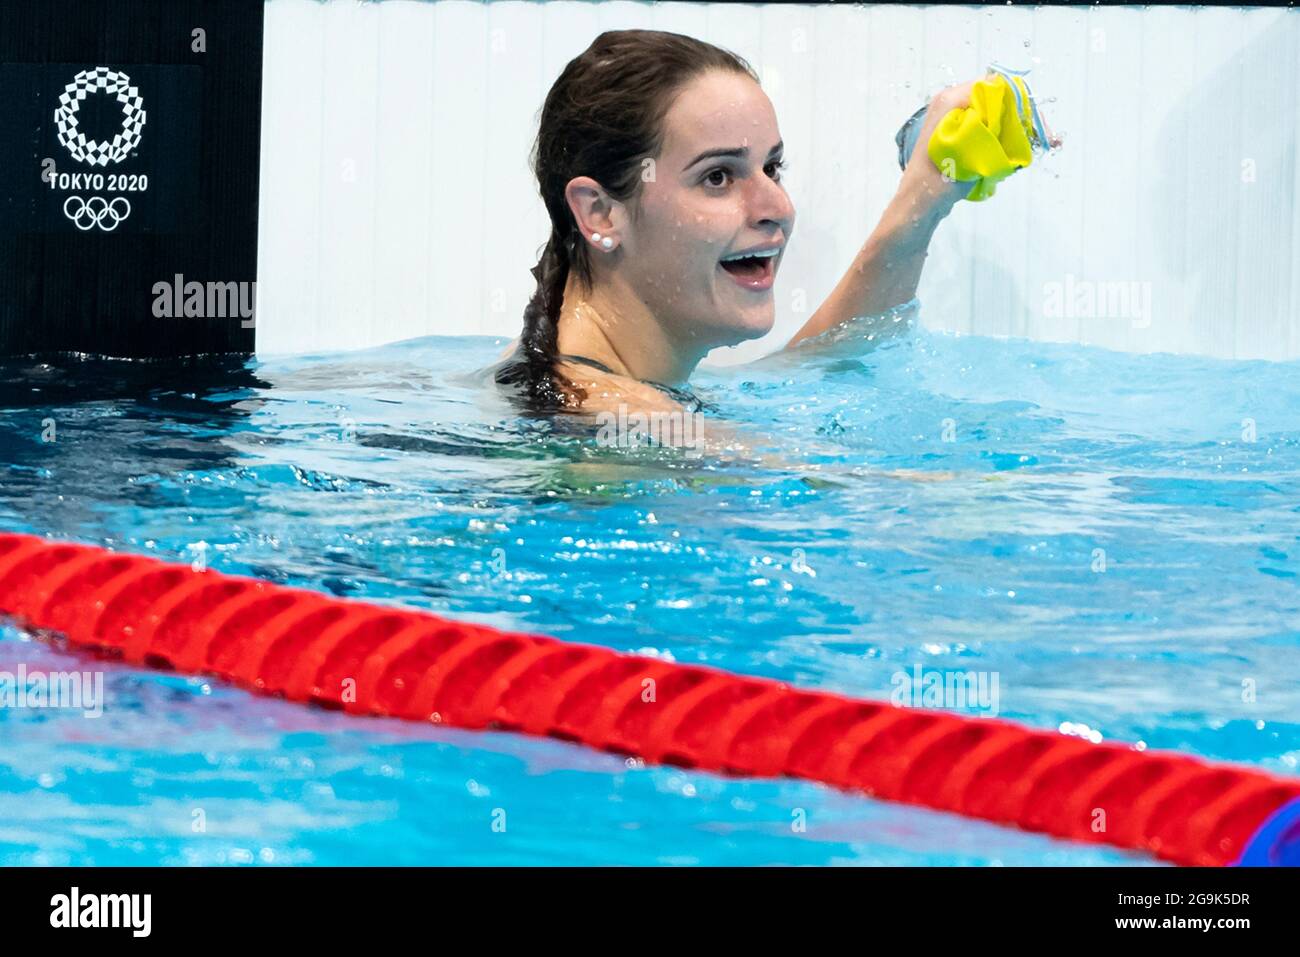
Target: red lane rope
x,y
371,659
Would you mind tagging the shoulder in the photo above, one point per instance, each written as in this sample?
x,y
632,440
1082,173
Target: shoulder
x,y
608,392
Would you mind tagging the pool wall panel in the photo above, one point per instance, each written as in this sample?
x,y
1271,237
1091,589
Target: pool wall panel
x,y
397,200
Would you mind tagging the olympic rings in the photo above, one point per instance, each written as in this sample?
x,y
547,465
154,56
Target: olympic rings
x,y
95,211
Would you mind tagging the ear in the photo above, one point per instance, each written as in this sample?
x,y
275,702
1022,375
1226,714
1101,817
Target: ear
x,y
593,210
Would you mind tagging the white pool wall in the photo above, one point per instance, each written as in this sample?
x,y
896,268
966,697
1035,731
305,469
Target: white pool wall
x,y
396,199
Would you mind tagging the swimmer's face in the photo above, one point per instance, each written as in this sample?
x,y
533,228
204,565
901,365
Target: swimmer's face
x,y
716,193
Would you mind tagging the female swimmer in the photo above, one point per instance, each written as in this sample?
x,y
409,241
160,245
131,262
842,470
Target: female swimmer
x,y
659,159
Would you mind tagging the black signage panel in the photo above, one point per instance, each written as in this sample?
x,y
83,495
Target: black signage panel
x,y
129,156
110,147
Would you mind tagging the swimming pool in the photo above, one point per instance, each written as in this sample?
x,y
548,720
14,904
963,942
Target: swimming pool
x,y
1111,537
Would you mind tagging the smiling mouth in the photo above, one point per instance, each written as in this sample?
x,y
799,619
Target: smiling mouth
x,y
752,272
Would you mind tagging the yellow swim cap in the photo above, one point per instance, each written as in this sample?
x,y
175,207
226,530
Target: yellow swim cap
x,y
988,140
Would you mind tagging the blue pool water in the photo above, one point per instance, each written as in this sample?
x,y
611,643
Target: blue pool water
x,y
1102,534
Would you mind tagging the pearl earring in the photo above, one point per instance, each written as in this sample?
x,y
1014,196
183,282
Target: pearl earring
x,y
607,243
595,237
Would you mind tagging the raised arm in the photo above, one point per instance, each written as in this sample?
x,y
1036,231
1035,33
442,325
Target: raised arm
x,y
887,269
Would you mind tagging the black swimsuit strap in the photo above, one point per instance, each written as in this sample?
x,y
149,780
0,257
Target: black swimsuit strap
x,y
681,395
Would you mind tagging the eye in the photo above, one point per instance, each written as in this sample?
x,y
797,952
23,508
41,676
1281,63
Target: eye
x,y
711,177
720,176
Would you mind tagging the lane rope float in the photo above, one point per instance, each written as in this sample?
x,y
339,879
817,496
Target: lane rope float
x,y
371,659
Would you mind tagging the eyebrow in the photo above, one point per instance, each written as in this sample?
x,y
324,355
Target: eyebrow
x,y
737,152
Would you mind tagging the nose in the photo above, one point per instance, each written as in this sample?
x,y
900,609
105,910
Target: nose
x,y
770,205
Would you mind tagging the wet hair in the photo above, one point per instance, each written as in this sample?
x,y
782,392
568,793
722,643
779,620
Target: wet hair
x,y
602,118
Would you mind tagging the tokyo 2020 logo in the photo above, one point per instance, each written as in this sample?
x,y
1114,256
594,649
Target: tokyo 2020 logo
x,y
88,213
95,152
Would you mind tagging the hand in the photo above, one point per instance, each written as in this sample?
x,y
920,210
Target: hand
x,y
927,191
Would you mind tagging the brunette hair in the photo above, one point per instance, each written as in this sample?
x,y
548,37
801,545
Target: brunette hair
x,y
603,118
